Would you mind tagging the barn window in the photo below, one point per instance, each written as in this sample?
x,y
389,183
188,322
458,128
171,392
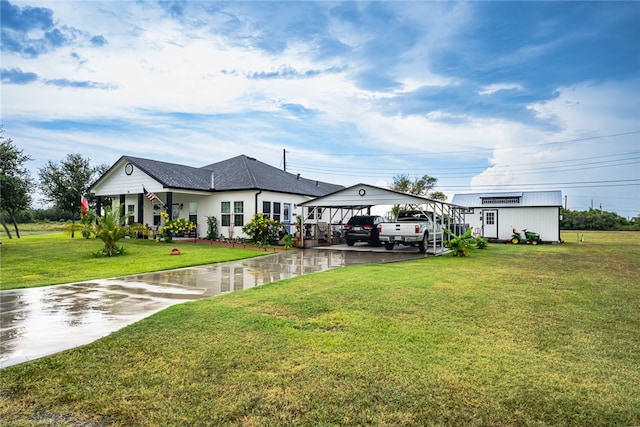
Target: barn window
x,y
500,200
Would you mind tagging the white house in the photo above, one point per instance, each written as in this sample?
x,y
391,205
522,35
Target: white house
x,y
495,215
232,191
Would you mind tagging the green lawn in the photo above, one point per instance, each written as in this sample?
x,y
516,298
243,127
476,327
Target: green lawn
x,y
47,259
511,336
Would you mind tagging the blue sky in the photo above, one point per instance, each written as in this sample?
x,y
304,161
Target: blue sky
x,y
484,96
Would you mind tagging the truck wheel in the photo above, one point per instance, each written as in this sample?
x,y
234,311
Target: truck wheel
x,y
422,246
350,242
388,246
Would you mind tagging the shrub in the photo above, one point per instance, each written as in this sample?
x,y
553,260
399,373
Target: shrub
x,y
174,226
212,228
262,230
462,244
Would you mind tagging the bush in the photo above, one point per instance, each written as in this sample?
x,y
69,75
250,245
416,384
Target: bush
x,y
212,228
174,226
262,230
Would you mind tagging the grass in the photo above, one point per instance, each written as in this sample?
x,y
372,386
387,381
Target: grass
x,y
47,259
512,336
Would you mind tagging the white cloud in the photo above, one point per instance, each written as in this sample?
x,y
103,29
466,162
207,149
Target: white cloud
x,y
491,89
161,66
576,153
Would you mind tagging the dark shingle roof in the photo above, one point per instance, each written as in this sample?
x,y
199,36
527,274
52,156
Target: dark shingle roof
x,y
172,175
237,173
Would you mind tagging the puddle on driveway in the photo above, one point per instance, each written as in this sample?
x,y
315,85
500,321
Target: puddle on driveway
x,y
37,322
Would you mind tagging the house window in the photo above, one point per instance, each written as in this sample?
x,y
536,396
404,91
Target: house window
x,y
225,209
313,212
238,214
266,209
276,211
193,212
156,214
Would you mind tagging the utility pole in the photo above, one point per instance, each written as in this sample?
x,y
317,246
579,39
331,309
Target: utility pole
x,y
284,159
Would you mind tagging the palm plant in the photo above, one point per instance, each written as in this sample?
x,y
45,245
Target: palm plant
x,y
462,244
110,229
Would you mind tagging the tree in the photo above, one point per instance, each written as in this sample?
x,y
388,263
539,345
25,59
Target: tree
x,y
15,183
64,183
592,219
438,195
419,187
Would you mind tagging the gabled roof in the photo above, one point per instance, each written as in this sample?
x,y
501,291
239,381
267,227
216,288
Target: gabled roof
x,y
507,199
238,173
365,196
172,175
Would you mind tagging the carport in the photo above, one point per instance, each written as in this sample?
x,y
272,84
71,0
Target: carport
x,y
323,217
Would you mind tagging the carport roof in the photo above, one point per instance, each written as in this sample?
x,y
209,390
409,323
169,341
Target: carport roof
x,y
364,195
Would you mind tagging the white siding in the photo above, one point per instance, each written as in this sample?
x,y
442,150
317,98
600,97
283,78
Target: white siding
x,y
118,182
542,220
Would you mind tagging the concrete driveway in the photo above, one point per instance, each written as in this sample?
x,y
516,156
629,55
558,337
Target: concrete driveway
x,y
40,321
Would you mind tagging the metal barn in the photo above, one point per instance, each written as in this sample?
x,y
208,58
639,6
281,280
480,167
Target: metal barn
x,y
495,215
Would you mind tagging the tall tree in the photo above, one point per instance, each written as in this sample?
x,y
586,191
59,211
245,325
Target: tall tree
x,y
422,186
65,182
15,183
418,186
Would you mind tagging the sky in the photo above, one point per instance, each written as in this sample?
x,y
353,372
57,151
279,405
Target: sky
x,y
485,96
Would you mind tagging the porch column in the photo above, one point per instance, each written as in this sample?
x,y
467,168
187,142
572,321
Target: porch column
x,y
123,205
170,204
140,208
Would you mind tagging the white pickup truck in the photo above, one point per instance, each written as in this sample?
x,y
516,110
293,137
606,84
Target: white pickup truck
x,y
412,228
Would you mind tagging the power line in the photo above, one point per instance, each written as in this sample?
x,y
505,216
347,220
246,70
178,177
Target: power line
x,y
422,153
576,184
465,172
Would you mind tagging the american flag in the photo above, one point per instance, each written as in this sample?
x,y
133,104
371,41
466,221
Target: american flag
x,y
152,197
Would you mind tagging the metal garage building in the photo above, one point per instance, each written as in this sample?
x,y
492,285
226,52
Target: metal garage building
x,y
495,215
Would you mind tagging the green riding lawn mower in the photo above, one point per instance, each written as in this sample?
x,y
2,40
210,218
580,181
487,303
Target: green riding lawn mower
x,y
526,237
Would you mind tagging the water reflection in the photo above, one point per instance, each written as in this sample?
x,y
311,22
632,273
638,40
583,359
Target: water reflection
x,y
40,321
